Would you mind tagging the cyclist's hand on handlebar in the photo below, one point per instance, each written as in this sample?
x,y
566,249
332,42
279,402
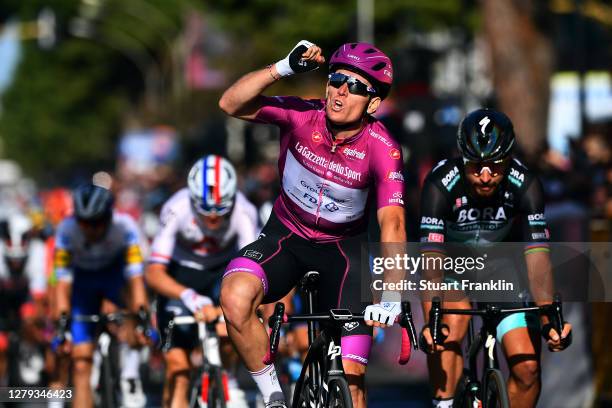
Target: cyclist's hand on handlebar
x,y
62,341
382,314
195,302
211,313
426,341
304,57
556,342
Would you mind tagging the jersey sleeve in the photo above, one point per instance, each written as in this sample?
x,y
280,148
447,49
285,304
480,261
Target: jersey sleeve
x,y
35,268
387,169
284,111
62,253
535,229
133,253
248,223
434,215
163,243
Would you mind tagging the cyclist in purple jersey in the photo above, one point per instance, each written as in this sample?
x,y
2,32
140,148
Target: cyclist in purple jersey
x,y
336,161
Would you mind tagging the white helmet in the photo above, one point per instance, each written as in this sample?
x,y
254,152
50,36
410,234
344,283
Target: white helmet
x,y
15,234
212,185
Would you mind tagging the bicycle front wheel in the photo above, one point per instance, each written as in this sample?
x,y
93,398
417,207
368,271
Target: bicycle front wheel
x,y
307,387
495,392
339,394
463,396
216,389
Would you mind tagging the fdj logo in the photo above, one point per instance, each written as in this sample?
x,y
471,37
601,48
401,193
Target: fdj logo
x,y
333,351
332,207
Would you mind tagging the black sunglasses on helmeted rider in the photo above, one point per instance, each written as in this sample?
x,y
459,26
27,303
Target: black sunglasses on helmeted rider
x,y
355,86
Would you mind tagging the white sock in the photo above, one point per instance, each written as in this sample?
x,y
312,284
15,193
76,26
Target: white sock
x,y
131,361
267,382
442,403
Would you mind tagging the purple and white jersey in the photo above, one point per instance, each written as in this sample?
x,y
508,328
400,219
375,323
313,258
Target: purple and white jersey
x,y
325,186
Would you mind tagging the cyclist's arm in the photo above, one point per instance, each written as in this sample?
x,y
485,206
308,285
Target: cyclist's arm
x,y
386,167
62,267
432,231
243,99
62,298
392,224
162,249
134,265
162,283
537,252
138,293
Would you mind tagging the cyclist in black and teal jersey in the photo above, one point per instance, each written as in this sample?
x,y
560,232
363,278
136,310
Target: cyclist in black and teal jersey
x,y
487,196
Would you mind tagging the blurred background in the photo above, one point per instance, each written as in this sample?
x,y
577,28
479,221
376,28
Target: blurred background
x,y
127,90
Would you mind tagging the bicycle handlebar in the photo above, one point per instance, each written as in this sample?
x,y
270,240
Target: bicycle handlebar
x,y
553,310
338,317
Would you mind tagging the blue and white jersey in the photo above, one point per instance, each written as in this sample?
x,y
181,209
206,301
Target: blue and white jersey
x,y
120,246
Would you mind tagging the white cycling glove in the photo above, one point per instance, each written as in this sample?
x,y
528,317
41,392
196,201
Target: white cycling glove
x,y
194,301
293,63
386,311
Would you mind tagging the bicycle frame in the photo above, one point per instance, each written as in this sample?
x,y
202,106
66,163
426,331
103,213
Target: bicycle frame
x,y
211,356
486,337
209,344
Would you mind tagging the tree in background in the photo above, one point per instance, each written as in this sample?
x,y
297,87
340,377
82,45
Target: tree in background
x,y
522,59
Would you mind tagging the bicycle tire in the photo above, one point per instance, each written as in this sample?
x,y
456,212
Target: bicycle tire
x,y
216,392
194,389
495,394
110,393
306,391
339,394
107,390
462,397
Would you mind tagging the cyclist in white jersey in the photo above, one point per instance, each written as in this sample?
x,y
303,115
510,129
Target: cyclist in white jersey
x,y
97,254
202,228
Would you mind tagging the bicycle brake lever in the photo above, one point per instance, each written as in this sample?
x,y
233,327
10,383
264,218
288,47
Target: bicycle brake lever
x,y
275,323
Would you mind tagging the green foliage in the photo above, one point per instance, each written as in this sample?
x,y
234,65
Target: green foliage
x,y
65,107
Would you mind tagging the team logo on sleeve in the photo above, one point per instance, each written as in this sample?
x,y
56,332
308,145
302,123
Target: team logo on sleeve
x,y
250,253
435,237
394,176
317,137
395,154
397,198
516,177
133,254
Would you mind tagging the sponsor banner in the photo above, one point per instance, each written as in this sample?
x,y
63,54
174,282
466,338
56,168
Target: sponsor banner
x,y
321,197
491,272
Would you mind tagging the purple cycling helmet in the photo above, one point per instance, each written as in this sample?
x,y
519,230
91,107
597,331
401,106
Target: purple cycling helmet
x,y
368,61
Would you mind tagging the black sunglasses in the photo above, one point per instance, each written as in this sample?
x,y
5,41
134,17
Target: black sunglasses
x,y
355,86
495,168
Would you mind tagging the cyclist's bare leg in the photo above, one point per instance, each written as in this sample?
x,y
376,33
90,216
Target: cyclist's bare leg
x,y
81,372
241,293
176,385
522,350
445,367
355,375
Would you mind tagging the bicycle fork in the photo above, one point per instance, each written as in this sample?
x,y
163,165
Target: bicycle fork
x,y
212,358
